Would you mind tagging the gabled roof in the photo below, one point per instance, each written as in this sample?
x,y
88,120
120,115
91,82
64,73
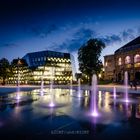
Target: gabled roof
x,y
134,44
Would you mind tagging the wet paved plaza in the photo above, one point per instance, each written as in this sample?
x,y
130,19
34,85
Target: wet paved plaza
x,y
27,115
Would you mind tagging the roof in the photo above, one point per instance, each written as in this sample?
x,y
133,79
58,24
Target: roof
x,y
109,55
134,44
46,51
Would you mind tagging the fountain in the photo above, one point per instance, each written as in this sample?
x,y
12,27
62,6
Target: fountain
x,y
18,86
126,86
79,88
42,86
94,112
51,104
71,87
114,92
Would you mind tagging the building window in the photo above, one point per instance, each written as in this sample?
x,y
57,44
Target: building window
x,y
119,61
41,58
136,58
44,58
127,60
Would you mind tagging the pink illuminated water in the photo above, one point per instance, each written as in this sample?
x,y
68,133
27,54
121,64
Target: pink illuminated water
x,y
126,86
94,112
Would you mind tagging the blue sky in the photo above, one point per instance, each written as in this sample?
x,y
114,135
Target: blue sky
x,y
64,25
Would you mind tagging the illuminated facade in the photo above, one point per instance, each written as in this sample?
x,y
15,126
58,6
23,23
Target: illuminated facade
x,y
126,58
20,72
109,67
51,66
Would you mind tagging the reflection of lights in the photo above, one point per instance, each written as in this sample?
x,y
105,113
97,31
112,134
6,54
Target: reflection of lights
x,y
127,101
79,95
51,104
71,91
18,97
85,101
94,114
106,102
86,92
42,93
99,98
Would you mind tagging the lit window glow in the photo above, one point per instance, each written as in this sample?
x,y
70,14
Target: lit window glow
x,y
136,58
119,61
127,60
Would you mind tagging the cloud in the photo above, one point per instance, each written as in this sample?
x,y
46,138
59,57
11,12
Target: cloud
x,y
122,37
128,34
43,32
75,40
138,31
84,33
110,39
78,38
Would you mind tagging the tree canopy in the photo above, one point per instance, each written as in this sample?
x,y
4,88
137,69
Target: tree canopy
x,y
19,62
88,57
5,69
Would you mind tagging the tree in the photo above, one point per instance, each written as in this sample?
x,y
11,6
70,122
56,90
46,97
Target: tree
x,y
18,67
88,57
5,69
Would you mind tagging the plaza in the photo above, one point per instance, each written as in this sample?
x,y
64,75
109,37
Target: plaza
x,y
69,69
30,117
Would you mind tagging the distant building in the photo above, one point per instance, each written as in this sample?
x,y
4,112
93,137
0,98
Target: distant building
x,y
126,58
109,67
20,72
50,65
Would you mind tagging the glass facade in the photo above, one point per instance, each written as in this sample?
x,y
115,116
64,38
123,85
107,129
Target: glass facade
x,y
50,65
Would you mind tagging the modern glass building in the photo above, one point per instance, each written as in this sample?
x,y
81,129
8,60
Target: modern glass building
x,y
50,66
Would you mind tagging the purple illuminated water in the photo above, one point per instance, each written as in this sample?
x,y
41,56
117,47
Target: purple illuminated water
x,y
114,92
93,96
79,87
42,87
52,104
18,87
126,86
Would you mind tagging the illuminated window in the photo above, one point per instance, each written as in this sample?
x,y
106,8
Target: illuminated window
x,y
127,60
119,61
136,58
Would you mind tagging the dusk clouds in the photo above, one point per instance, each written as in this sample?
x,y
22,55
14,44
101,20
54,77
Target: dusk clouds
x,y
36,25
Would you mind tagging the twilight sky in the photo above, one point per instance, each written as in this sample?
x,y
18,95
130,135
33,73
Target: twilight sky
x,y
64,25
